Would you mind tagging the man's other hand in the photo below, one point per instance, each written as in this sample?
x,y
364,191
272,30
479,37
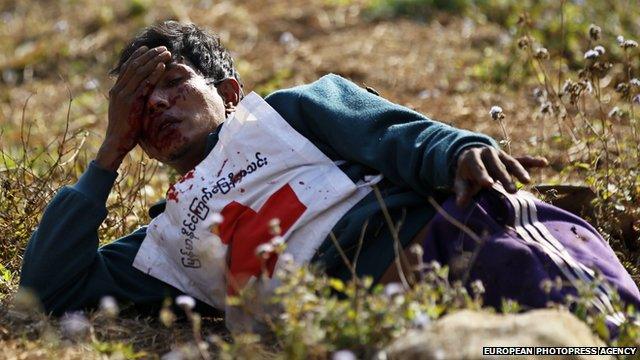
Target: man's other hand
x,y
480,167
138,75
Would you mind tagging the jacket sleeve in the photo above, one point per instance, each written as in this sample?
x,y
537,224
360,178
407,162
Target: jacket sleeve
x,y
63,264
348,123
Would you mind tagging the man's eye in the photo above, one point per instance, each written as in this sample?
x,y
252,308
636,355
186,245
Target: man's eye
x,y
174,82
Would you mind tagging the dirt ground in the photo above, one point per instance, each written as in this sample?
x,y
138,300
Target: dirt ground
x,y
52,48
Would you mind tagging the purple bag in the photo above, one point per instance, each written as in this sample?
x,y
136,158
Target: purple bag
x,y
525,242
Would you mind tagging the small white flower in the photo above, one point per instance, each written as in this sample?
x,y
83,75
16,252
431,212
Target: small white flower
x,y
538,92
546,285
173,355
91,84
288,263
424,94
61,26
630,44
496,113
109,306
392,289
286,258
288,40
588,87
591,55
421,321
9,76
217,218
620,40
614,112
264,249
594,32
634,82
417,250
636,99
542,53
75,325
186,301
277,241
545,107
599,49
343,355
435,266
274,226
274,222
477,287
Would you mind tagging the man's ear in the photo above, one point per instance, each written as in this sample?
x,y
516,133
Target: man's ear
x,y
229,90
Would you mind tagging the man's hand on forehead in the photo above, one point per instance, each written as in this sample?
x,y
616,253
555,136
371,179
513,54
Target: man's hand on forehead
x,y
137,78
142,70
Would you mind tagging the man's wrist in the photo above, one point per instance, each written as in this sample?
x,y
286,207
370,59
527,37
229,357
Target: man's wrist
x,y
96,183
108,157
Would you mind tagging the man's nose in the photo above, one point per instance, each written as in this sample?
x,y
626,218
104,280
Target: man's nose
x,y
158,101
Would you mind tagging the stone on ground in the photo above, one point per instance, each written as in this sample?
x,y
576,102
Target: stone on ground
x,y
462,335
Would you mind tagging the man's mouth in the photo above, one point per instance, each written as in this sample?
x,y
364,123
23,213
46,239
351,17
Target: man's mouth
x,y
165,124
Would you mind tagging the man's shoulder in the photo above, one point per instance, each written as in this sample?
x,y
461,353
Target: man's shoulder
x,y
328,82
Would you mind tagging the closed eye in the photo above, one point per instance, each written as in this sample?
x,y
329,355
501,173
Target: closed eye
x,y
174,81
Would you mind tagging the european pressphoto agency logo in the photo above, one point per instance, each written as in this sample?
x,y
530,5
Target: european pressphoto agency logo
x,y
555,350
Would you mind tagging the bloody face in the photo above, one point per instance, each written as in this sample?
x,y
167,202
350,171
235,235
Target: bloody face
x,y
180,112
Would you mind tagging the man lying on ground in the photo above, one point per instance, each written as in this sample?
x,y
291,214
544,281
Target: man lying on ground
x,y
177,85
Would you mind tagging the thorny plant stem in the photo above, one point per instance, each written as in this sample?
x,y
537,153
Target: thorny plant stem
x,y
604,123
507,139
354,277
197,336
454,221
396,240
464,229
539,68
632,121
346,261
555,95
360,243
562,44
23,140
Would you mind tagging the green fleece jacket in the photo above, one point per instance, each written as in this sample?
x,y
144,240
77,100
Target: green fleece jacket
x,y
366,134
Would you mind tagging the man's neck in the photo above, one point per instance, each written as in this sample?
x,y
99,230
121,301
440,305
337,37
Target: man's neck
x,y
188,163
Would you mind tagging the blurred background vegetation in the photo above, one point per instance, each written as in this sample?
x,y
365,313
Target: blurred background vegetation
x,y
451,60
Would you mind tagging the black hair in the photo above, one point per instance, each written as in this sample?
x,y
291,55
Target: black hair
x,y
201,47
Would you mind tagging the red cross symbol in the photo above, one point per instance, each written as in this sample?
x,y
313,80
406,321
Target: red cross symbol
x,y
243,230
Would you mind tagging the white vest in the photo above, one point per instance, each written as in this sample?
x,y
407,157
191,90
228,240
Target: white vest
x,y
260,169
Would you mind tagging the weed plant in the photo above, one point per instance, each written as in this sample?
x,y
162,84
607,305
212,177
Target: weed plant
x,y
584,80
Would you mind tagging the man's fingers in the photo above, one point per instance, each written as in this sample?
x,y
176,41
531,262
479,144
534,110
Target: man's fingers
x,y
476,169
497,169
146,70
460,188
514,167
532,161
126,65
152,80
139,65
139,51
464,191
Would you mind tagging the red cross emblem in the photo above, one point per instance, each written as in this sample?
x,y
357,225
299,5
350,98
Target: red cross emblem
x,y
243,230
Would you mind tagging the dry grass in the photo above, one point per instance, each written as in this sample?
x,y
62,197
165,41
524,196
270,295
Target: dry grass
x,y
56,52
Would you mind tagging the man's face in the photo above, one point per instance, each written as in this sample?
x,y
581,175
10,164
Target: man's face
x,y
180,112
